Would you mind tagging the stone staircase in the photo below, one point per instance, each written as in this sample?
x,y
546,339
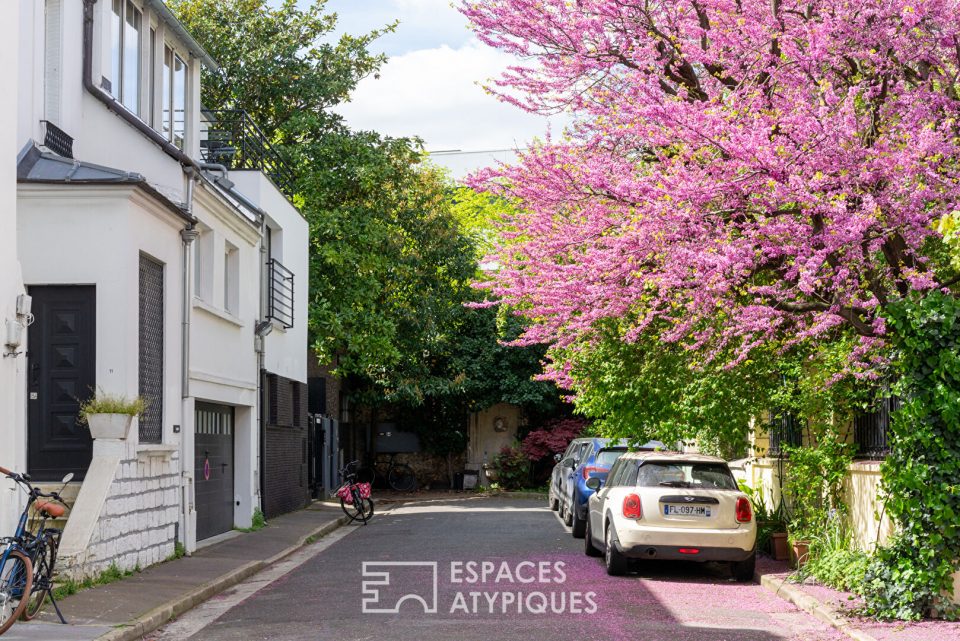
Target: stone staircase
x,y
69,495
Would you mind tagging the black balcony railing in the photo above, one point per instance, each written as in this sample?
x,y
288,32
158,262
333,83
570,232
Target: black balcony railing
x,y
784,429
234,140
871,429
279,293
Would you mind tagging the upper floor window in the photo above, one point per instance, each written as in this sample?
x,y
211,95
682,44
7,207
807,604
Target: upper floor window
x,y
174,97
126,26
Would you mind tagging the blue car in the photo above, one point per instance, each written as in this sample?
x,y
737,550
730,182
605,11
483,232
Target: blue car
x,y
596,461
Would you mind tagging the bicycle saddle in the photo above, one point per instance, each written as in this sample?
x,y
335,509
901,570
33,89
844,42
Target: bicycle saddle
x,y
51,509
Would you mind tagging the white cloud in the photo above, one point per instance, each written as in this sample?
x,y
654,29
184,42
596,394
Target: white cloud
x,y
437,94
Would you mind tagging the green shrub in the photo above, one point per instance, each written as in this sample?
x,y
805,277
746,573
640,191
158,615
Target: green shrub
x,y
513,468
104,403
840,569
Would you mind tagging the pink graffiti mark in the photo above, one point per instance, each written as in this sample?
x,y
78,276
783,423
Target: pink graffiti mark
x,y
206,469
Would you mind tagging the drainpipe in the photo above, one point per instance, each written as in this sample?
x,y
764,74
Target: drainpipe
x,y
187,235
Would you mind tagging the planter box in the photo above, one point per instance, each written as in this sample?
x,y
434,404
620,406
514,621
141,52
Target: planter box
x,y
781,550
109,426
801,551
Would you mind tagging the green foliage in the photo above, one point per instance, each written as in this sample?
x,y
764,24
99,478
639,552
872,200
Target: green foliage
x,y
920,476
105,403
813,484
258,522
112,574
513,468
833,560
649,390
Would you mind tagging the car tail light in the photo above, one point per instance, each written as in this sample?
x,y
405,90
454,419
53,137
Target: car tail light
x,y
689,550
744,513
631,507
587,471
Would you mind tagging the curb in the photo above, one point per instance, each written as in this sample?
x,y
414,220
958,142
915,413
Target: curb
x,y
829,615
523,495
143,625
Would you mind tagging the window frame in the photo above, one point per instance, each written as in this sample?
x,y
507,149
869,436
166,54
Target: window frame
x,y
120,54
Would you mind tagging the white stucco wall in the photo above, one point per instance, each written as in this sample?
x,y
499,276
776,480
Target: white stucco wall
x,y
284,349
12,387
223,362
87,235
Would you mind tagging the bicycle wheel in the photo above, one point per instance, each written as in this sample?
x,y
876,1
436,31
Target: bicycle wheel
x,y
358,509
401,478
16,582
43,562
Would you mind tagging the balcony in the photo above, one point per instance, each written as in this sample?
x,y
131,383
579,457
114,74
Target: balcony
x,y
279,293
231,138
871,429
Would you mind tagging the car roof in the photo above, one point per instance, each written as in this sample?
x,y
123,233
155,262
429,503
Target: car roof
x,y
673,456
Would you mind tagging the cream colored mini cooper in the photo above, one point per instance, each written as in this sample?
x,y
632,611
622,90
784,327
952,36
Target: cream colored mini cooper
x,y
663,505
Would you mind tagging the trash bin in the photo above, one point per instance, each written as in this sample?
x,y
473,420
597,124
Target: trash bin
x,y
458,481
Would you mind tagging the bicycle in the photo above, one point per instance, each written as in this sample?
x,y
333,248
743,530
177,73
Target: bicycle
x,y
29,557
354,495
399,476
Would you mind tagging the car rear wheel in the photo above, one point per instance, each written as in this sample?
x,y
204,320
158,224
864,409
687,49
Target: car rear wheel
x,y
579,525
616,563
588,547
552,502
565,514
743,570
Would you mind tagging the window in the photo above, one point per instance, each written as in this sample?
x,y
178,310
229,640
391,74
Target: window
x,y
606,458
167,110
151,349
203,265
53,19
179,100
712,476
231,279
126,23
152,100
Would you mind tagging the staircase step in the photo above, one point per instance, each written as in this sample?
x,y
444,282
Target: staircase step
x,y
69,495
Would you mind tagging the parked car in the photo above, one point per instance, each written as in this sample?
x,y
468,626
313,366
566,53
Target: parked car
x,y
596,461
565,462
670,506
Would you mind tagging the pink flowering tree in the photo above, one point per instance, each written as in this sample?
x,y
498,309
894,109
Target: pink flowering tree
x,y
739,172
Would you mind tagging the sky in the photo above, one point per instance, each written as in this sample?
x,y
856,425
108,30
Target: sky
x,y
431,86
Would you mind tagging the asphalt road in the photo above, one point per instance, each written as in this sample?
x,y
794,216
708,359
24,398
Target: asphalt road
x,y
504,569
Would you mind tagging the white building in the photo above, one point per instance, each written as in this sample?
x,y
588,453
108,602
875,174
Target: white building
x,y
12,365
148,271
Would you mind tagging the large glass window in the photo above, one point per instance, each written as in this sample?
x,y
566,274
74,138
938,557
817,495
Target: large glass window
x,y
126,24
167,111
152,102
131,58
179,100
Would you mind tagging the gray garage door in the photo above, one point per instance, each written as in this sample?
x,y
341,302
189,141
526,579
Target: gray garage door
x,y
213,469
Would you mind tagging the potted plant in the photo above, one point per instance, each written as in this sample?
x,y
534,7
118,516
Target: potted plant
x,y
109,416
771,525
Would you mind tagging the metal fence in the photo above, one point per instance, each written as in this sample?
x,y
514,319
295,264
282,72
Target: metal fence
x,y
279,293
871,429
234,140
784,429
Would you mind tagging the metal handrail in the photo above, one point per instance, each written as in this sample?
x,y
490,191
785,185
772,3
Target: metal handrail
x,y
235,140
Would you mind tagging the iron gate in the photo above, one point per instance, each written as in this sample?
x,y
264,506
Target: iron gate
x,y
325,456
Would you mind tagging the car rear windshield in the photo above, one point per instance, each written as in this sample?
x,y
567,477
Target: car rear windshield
x,y
707,476
606,458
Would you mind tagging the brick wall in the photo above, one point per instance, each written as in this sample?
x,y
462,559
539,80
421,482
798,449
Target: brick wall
x,y
285,486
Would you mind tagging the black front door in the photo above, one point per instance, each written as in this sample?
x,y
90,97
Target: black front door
x,y
213,469
61,371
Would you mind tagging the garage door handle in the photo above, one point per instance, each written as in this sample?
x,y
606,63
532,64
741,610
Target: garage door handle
x,y
223,467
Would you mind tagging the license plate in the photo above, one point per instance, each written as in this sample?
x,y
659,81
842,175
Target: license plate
x,y
686,510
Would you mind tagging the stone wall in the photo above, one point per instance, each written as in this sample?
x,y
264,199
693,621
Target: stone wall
x,y
138,524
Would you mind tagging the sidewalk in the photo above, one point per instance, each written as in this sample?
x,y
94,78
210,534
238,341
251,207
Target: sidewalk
x,y
130,608
837,609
